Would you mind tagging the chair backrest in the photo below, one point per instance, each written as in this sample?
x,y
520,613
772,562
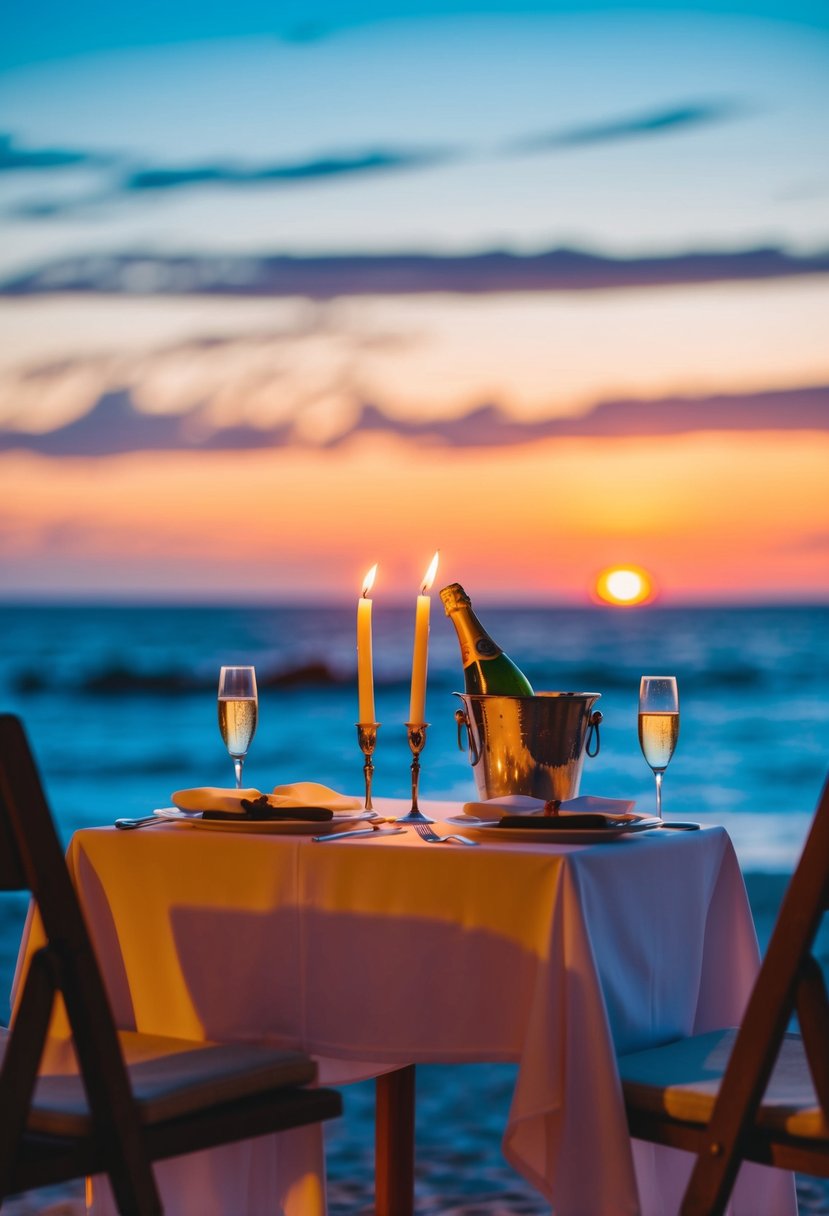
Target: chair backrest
x,y
32,859
790,980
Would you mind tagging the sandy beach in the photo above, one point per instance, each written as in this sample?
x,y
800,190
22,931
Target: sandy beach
x,y
459,1169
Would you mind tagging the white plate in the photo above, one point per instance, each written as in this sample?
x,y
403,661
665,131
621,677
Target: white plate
x,y
552,835
285,827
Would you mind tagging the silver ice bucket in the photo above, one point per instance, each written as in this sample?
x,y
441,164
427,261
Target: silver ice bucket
x,y
529,745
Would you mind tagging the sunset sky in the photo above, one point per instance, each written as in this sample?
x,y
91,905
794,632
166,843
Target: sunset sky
x,y
282,296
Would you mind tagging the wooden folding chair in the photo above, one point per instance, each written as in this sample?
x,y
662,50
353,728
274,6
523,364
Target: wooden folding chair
x,y
756,1093
129,1099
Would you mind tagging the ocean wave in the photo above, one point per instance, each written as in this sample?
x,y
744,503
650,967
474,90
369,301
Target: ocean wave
x,y
610,677
121,679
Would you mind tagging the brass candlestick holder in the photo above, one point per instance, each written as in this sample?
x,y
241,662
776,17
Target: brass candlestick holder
x,y
416,732
367,738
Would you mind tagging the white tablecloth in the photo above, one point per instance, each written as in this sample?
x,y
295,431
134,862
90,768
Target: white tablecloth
x,y
383,952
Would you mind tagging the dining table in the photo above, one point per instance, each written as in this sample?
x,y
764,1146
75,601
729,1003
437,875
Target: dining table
x,y
380,953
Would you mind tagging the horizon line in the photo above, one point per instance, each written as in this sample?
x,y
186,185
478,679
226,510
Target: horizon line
x,y
157,602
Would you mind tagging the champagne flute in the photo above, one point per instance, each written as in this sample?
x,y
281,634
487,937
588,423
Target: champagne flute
x,y
658,725
238,713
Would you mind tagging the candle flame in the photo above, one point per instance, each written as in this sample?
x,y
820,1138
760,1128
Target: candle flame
x,y
368,581
429,576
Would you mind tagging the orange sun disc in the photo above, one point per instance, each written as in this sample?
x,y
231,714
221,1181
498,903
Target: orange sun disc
x,y
624,586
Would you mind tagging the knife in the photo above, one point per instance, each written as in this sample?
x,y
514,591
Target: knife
x,y
358,832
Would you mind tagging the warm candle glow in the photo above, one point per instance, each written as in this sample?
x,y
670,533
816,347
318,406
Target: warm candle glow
x,y
420,656
368,581
365,662
429,576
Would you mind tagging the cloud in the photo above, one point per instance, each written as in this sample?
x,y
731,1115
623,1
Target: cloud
x,y
151,179
330,277
382,160
143,179
14,158
53,207
490,426
639,126
114,425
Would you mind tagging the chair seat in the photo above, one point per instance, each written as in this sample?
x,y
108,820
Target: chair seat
x,y
682,1080
170,1078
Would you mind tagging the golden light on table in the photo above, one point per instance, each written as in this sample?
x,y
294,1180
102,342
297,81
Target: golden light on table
x,y
624,586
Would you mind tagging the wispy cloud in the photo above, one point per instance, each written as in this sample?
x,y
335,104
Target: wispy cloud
x,y
380,160
168,178
114,425
638,126
329,277
490,426
16,159
142,179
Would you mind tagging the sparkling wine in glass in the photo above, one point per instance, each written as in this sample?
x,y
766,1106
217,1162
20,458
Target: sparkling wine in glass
x,y
658,725
238,713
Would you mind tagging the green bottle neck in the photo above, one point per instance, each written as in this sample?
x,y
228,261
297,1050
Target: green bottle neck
x,y
476,644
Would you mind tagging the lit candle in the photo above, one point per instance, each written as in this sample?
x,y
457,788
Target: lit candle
x,y
365,668
420,656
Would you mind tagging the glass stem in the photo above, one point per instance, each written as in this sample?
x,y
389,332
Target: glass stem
x,y
659,774
238,761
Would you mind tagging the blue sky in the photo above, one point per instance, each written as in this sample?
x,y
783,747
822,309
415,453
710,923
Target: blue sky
x,y
341,240
627,131
54,30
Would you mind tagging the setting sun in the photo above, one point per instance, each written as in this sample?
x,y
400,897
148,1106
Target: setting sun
x,y
624,585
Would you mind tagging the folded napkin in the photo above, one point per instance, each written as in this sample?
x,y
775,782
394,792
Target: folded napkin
x,y
305,800
260,809
311,793
568,823
615,810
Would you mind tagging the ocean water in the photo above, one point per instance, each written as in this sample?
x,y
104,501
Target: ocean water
x,y
120,705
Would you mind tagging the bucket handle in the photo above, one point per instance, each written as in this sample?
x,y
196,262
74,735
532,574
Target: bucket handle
x,y
462,720
593,729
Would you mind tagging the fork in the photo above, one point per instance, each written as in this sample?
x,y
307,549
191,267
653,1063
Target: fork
x,y
425,833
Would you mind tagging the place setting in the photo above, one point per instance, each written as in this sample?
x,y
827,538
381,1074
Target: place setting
x,y
303,807
584,819
527,749
308,807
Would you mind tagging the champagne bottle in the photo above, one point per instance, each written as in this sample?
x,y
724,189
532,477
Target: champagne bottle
x,y
486,668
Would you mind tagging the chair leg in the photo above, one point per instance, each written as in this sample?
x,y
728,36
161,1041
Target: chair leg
x,y
132,1203
710,1186
813,1016
23,1054
394,1144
